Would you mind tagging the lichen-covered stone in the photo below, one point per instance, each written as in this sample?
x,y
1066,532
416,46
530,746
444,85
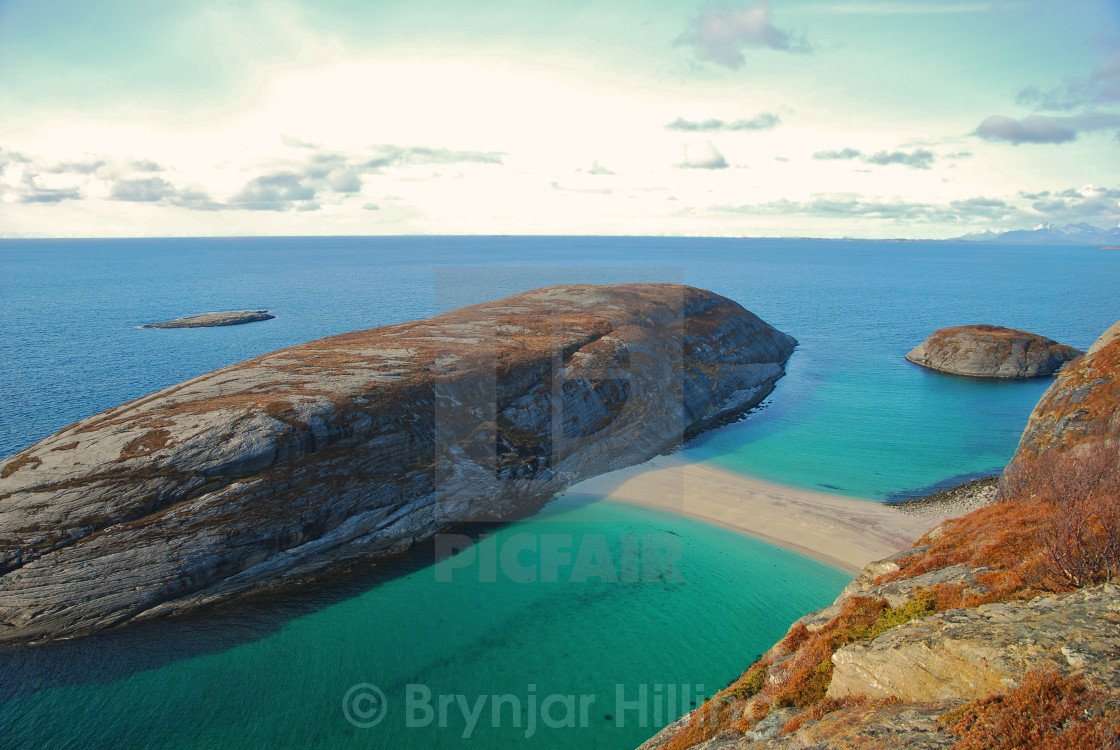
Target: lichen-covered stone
x,y
212,320
356,446
969,653
986,351
1076,420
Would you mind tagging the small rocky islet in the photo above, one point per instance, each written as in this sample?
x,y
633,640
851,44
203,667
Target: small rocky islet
x,y
989,351
215,319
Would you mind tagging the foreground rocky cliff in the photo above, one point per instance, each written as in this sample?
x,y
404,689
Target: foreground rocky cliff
x,y
356,446
998,629
984,351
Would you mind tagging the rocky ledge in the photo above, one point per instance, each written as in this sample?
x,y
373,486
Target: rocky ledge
x,y
211,320
984,351
356,446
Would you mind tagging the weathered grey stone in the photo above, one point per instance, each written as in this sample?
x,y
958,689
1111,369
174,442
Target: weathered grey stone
x,y
991,352
353,447
963,654
212,320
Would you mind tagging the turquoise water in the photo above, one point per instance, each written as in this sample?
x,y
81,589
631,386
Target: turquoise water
x,y
851,416
462,636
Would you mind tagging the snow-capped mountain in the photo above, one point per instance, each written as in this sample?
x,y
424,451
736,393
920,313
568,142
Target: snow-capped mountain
x,y
1047,232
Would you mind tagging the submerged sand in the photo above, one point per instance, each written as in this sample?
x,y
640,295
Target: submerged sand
x,y
844,532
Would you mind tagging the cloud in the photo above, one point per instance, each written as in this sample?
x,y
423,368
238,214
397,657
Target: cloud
x,y
274,192
917,159
292,141
46,195
703,155
77,167
9,158
596,169
720,34
398,156
1032,129
1101,87
145,190
1037,129
761,121
967,210
300,183
1091,204
895,8
848,153
158,190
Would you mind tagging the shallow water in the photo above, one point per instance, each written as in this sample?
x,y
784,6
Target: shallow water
x,y
276,675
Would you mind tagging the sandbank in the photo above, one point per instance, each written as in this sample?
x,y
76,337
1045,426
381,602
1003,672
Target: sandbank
x,y
844,532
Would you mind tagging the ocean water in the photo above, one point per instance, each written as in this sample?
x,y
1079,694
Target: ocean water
x,y
851,416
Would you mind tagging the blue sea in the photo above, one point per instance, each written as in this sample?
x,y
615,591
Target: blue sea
x,y
850,417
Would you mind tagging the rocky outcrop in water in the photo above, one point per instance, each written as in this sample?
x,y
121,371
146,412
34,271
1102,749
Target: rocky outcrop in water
x,y
354,447
212,320
985,351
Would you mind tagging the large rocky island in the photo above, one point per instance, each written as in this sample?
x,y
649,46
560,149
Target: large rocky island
x,y
985,351
354,447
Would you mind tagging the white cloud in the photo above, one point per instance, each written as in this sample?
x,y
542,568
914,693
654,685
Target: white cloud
x,y
597,169
703,155
761,121
917,159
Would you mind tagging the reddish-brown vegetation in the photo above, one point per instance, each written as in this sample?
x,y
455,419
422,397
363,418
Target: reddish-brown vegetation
x,y
820,710
145,445
1047,712
13,466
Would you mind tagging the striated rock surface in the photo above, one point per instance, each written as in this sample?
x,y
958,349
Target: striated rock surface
x,y
356,446
211,320
974,652
985,351
1074,431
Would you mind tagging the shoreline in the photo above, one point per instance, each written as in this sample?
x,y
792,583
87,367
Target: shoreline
x,y
841,531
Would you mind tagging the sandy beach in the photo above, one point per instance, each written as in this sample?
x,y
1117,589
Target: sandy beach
x,y
844,532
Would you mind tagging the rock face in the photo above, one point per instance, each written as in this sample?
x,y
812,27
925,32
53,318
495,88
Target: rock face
x,y
210,320
1077,420
984,351
976,652
356,446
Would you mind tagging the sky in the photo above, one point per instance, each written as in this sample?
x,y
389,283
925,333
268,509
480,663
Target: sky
x,y
818,118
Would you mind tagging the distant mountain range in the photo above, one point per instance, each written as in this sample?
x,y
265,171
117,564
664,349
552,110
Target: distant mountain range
x,y
1070,234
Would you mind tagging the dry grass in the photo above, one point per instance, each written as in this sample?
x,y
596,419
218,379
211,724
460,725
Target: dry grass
x,y
1047,712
